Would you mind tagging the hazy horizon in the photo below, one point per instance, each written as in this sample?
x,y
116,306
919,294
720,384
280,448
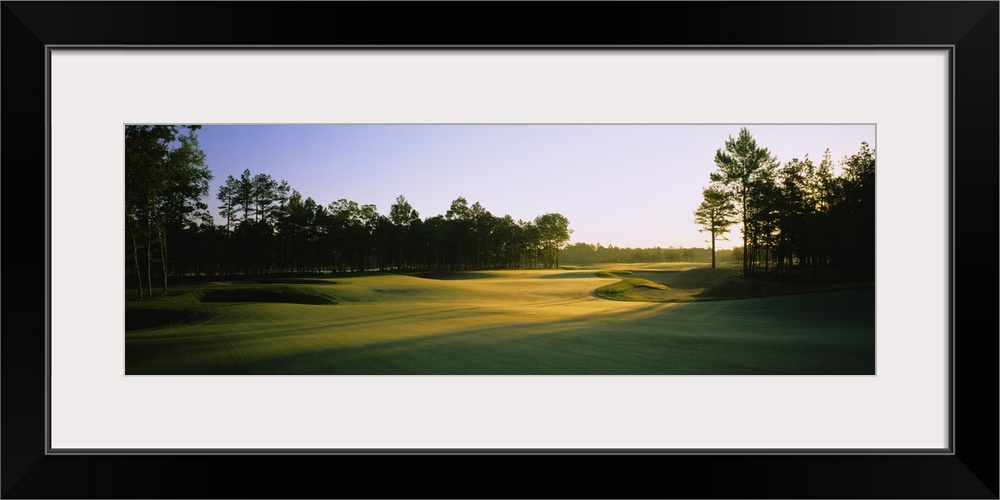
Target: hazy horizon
x,y
621,185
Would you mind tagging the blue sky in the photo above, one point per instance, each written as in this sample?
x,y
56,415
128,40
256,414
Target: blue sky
x,y
626,185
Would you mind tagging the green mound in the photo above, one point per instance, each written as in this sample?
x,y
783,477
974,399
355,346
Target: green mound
x,y
624,290
612,274
272,295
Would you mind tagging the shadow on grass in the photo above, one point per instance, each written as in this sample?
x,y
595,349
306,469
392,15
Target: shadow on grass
x,y
455,275
815,334
264,295
288,281
140,318
572,275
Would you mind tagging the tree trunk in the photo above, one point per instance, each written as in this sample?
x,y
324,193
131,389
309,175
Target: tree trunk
x,y
135,258
713,248
747,251
163,257
149,260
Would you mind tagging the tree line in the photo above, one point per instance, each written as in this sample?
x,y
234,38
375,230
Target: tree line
x,y
587,253
165,178
269,227
797,218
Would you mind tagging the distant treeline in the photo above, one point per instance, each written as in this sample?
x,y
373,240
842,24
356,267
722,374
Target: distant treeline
x,y
270,228
587,253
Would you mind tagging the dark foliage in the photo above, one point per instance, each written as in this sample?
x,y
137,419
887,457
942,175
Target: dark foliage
x,y
801,219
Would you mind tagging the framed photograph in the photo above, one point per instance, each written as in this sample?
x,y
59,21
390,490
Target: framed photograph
x,y
350,250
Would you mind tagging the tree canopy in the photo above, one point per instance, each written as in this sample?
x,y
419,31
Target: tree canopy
x,y
166,176
797,217
715,215
744,171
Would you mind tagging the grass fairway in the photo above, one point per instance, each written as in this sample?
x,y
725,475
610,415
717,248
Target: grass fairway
x,y
491,323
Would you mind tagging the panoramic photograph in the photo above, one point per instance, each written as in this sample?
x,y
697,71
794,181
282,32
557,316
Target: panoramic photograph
x,y
474,249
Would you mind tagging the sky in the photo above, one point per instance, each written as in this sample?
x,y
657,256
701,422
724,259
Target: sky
x,y
621,185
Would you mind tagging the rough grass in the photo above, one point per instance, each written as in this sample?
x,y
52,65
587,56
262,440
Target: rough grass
x,y
510,322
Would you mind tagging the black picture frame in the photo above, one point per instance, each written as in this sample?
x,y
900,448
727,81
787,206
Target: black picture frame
x,y
970,28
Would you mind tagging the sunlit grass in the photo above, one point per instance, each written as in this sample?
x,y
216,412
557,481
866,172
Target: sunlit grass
x,y
507,322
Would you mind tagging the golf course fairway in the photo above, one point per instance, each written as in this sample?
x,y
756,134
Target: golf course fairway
x,y
525,322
